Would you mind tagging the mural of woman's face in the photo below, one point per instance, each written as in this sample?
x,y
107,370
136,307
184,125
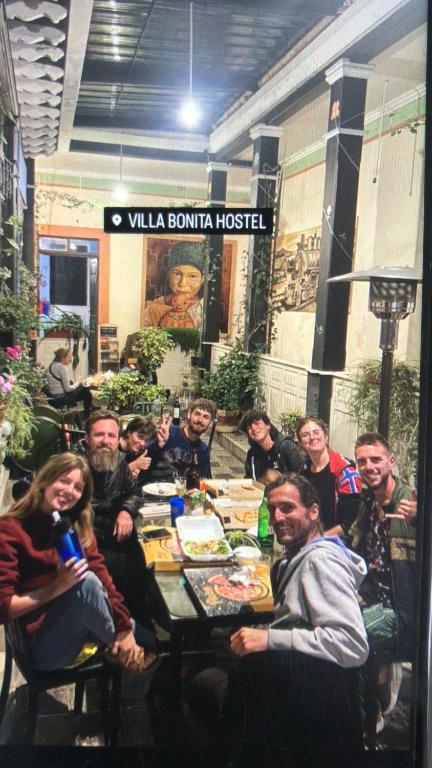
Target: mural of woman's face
x,y
185,279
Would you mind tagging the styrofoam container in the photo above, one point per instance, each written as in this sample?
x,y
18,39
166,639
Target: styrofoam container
x,y
201,528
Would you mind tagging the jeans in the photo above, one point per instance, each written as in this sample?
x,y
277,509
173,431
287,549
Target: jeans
x,y
80,615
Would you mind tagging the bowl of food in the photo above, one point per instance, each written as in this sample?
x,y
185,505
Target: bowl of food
x,y
247,555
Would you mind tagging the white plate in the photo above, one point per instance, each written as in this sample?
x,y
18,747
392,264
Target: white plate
x,y
160,489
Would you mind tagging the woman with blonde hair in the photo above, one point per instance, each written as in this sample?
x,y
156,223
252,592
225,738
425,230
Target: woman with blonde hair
x,y
60,389
62,606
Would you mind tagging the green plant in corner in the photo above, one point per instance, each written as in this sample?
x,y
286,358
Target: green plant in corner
x,y
234,383
404,416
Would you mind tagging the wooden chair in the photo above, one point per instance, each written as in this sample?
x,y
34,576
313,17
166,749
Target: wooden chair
x,y
107,676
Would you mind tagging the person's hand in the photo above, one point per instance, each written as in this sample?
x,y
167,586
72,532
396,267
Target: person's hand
x,y
125,647
407,508
128,651
162,433
69,574
123,526
249,640
142,462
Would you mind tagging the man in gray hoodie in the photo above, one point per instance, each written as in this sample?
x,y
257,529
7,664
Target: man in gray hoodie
x,y
305,661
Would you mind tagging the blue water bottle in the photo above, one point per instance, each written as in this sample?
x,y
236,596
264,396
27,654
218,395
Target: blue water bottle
x,y
66,539
177,508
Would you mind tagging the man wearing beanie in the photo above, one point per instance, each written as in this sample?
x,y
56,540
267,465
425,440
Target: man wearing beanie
x,y
181,306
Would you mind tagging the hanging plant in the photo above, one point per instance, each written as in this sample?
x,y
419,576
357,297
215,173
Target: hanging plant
x,y
72,324
188,339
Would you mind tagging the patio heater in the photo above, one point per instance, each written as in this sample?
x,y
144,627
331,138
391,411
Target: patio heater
x,y
392,297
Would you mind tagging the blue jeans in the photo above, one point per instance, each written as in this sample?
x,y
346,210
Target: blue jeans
x,y
82,614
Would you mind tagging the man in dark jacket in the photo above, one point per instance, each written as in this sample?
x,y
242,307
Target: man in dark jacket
x,y
271,454
115,503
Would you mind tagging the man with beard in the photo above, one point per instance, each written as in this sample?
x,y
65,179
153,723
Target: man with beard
x,y
384,535
299,674
179,444
115,504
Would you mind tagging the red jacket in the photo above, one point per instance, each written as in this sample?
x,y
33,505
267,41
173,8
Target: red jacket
x,y
28,561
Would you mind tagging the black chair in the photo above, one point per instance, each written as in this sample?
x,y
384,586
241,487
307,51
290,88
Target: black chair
x,y
108,678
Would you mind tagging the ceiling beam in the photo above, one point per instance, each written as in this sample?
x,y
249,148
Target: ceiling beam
x,y
80,12
358,21
148,153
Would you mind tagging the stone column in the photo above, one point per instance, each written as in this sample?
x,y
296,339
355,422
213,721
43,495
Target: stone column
x,y
343,156
263,189
216,198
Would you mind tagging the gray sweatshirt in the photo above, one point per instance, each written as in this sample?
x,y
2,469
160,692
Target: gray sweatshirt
x,y
317,611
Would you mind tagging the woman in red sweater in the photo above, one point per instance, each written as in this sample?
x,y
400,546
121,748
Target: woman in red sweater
x,y
62,606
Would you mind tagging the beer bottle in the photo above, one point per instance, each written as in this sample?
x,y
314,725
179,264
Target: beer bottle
x,y
265,532
192,473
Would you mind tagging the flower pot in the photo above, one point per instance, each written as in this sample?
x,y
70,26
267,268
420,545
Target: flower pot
x,y
227,421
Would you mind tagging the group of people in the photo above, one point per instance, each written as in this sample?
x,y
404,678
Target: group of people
x,y
347,531
100,598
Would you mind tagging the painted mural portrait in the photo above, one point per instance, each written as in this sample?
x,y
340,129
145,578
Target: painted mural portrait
x,y
180,306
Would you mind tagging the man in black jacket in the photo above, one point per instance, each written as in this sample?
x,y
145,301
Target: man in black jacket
x,y
115,503
271,454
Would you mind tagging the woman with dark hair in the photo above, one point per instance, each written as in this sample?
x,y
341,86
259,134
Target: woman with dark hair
x,y
138,442
271,454
62,605
334,477
60,389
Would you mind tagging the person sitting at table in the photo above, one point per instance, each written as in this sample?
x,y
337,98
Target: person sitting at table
x,y
270,453
299,673
62,606
60,389
115,502
138,442
178,445
335,478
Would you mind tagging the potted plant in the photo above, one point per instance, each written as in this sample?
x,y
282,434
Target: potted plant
x,y
122,390
151,346
233,385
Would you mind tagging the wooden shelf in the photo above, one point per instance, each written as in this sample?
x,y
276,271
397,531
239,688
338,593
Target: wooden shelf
x,y
108,348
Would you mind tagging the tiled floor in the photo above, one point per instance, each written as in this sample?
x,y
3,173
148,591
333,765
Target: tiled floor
x,y
57,725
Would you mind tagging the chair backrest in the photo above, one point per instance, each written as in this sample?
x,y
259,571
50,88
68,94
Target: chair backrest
x,y
49,412
20,646
48,439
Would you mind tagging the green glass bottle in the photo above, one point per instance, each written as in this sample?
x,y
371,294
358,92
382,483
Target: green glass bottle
x,y
265,532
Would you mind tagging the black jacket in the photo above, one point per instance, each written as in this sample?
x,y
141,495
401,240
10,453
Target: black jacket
x,y
283,456
113,491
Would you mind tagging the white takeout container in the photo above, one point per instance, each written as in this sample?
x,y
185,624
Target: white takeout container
x,y
201,528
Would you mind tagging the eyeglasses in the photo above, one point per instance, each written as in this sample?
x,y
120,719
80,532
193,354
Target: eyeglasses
x,y
314,433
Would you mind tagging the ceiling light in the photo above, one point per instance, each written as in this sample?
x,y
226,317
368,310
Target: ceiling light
x,y
115,38
117,57
190,113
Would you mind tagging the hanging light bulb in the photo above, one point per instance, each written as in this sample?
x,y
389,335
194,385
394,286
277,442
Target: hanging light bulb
x,y
120,191
190,113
